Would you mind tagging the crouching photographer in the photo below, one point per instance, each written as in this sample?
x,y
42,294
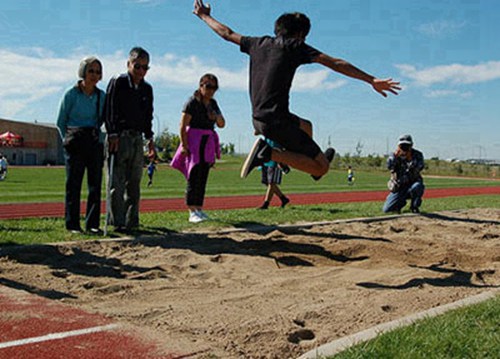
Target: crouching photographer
x,y
406,182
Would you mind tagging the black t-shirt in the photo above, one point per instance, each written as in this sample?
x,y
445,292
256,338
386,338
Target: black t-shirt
x,y
273,62
128,107
200,114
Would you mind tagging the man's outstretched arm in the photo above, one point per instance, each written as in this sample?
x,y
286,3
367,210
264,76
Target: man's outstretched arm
x,y
345,68
203,12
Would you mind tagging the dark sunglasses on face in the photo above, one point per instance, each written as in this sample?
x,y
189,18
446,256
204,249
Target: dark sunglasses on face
x,y
144,67
405,147
209,86
92,71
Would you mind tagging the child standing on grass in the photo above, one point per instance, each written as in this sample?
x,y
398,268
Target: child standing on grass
x,y
151,172
3,167
350,176
272,174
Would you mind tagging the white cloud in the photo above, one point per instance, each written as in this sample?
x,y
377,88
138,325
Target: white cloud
x,y
448,93
315,80
441,29
170,70
29,75
26,78
452,74
150,3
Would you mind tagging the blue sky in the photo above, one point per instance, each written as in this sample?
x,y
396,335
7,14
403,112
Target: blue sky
x,y
444,52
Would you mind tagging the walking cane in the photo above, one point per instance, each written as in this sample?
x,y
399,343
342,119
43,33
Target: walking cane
x,y
108,192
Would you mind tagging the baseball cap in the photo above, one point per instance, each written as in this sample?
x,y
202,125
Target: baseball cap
x,y
405,140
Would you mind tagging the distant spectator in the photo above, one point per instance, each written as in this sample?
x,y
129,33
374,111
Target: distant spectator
x,y
350,176
151,172
79,123
406,182
272,173
3,167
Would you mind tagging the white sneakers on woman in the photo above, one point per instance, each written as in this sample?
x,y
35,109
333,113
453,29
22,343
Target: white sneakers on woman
x,y
197,216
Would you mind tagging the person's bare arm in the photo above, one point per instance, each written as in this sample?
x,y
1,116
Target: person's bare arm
x,y
347,69
203,12
185,121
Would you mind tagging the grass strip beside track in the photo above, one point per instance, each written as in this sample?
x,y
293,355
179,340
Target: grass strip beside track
x,y
471,332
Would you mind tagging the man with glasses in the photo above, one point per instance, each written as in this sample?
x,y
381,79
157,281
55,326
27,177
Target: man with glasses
x,y
405,165
128,115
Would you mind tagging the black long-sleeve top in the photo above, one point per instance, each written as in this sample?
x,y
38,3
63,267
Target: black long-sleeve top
x,y
128,106
407,170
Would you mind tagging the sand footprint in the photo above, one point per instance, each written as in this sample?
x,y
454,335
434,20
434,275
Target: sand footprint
x,y
299,335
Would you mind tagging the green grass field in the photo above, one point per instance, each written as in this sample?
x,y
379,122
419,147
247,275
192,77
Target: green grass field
x,y
46,184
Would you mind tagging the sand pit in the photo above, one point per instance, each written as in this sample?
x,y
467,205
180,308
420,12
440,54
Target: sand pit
x,y
269,294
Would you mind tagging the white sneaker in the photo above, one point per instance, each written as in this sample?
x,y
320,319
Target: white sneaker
x,y
194,217
202,214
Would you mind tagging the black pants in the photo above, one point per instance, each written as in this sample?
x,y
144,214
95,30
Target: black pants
x,y
90,157
197,182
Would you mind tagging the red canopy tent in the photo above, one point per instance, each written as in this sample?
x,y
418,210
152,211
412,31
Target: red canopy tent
x,y
10,139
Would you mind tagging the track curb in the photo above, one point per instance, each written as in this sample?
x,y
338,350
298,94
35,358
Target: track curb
x,y
344,343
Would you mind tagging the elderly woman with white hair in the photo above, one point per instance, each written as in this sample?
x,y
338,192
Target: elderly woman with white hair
x,y
79,123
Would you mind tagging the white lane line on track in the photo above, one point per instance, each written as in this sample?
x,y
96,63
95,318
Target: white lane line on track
x,y
54,336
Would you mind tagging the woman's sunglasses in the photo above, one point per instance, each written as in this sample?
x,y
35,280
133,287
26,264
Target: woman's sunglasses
x,y
92,71
209,86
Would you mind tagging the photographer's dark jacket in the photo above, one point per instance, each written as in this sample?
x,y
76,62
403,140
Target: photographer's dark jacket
x,y
128,106
407,168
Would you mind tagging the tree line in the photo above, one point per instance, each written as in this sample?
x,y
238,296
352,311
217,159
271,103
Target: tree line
x,y
167,143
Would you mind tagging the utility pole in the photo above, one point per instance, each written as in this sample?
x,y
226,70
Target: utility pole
x,y
157,125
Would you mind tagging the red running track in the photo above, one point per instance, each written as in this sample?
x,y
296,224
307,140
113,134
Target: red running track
x,y
36,327
56,209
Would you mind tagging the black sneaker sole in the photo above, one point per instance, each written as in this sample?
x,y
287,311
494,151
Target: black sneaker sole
x,y
245,170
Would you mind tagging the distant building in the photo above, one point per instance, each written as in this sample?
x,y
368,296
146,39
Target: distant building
x,y
483,161
40,145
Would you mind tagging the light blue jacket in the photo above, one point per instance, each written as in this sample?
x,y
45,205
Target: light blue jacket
x,y
79,110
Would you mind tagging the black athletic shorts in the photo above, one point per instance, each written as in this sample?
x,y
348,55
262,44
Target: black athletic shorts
x,y
288,135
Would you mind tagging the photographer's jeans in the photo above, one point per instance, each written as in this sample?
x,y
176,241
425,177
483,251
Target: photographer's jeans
x,y
396,201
